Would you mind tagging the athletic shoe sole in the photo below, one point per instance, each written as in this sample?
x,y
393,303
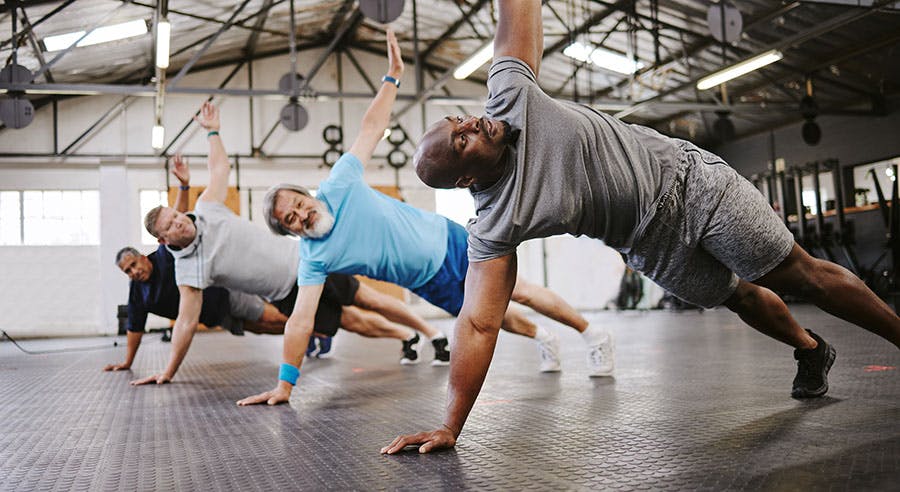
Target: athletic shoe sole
x,y
803,393
408,362
441,363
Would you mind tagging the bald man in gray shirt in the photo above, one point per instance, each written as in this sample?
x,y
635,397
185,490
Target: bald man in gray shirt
x,y
539,167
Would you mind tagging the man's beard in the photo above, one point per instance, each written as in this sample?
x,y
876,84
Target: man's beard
x,y
510,136
323,224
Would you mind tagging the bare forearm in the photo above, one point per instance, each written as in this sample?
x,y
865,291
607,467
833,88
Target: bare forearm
x,y
182,335
470,358
134,342
218,158
378,116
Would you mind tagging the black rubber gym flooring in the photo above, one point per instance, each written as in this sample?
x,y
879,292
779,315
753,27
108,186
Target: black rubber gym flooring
x,y
698,402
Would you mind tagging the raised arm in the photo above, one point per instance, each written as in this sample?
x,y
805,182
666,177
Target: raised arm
x,y
489,285
378,116
218,165
181,171
297,330
520,32
185,325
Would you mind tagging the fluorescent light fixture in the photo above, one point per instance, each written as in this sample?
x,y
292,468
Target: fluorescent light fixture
x,y
103,34
739,69
475,61
603,58
163,34
157,137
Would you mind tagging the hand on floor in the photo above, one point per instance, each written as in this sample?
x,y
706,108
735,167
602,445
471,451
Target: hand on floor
x,y
274,397
117,367
437,439
156,378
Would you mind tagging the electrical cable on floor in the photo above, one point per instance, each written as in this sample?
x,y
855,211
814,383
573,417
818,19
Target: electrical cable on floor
x,y
54,351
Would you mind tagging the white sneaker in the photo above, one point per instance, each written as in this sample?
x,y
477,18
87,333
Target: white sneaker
x,y
550,353
600,357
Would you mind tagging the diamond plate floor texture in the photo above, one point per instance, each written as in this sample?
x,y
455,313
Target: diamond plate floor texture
x,y
698,402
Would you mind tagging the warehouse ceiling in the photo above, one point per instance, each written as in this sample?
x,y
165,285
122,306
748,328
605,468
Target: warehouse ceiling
x,y
849,51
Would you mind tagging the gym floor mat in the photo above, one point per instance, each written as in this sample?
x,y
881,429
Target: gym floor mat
x,y
699,401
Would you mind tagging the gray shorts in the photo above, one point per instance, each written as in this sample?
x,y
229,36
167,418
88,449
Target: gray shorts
x,y
710,228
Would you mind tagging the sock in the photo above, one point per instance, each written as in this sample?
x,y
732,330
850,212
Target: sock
x,y
593,335
439,336
541,334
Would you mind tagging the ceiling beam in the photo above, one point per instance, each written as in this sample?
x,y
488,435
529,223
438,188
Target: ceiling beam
x,y
450,31
187,66
789,42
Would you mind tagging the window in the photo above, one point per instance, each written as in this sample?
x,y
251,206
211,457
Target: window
x,y
865,176
149,200
456,204
50,217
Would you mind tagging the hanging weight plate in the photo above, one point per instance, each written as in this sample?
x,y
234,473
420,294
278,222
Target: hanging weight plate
x,y
16,112
383,11
734,24
812,134
15,74
284,83
294,117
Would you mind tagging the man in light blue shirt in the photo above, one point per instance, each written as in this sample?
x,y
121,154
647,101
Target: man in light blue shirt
x,y
350,228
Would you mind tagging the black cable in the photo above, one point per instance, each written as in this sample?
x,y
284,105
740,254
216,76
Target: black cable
x,y
39,352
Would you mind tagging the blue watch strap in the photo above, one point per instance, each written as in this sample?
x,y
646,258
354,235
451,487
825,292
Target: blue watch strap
x,y
288,373
388,78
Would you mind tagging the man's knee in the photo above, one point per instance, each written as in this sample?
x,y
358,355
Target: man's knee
x,y
368,298
744,297
799,274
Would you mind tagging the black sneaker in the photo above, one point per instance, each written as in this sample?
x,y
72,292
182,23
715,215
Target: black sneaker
x,y
812,369
410,355
441,354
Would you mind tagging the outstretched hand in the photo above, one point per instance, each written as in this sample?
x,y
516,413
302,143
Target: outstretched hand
x,y
395,60
209,117
117,367
154,379
180,169
274,397
429,441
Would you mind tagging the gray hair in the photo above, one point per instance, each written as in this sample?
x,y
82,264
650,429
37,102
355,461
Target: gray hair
x,y
269,206
126,251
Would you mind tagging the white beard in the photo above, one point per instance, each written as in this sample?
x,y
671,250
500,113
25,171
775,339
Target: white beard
x,y
324,223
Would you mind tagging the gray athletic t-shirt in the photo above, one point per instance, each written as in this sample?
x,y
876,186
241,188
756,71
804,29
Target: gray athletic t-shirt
x,y
573,170
230,252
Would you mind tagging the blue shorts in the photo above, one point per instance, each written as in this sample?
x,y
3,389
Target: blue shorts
x,y
445,289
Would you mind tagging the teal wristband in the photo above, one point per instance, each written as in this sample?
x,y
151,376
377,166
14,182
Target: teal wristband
x,y
388,78
184,187
214,132
288,373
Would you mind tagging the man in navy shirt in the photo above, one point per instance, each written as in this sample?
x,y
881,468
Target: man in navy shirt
x,y
153,290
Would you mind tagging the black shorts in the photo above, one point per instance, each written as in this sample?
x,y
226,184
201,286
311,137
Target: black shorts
x,y
339,291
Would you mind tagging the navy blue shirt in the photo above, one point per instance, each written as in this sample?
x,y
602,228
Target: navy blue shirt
x,y
159,295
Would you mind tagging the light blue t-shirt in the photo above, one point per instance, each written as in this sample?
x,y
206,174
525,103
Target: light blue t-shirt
x,y
373,234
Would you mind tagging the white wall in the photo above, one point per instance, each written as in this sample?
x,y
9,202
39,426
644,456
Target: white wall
x,y
73,291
